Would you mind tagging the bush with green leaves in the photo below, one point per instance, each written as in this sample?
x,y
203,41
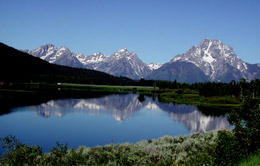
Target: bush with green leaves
x,y
246,120
18,153
236,145
228,149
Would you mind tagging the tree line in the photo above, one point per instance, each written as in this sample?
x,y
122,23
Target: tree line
x,y
207,89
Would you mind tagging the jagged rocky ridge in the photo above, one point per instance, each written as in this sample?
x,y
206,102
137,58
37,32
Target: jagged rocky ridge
x,y
210,61
218,62
121,63
61,56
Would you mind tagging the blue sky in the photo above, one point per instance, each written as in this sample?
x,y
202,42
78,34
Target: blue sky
x,y
157,30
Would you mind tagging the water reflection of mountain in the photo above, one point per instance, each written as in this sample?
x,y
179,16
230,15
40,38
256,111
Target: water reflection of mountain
x,y
193,119
122,107
118,106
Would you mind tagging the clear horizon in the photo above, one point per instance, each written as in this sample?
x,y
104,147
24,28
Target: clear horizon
x,y
156,31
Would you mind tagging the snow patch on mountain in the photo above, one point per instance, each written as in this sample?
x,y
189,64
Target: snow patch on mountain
x,y
154,66
96,58
82,58
122,50
208,58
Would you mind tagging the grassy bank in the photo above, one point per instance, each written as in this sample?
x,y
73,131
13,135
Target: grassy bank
x,y
192,98
68,87
35,93
13,95
108,88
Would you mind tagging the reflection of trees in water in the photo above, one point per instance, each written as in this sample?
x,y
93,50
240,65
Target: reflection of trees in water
x,y
141,98
212,111
124,106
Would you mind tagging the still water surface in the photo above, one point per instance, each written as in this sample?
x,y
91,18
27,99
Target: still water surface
x,y
97,121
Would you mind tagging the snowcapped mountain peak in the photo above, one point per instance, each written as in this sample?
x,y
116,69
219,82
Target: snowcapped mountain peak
x,y
48,46
212,56
123,53
63,48
124,63
45,48
208,41
96,58
123,50
98,54
209,45
44,51
61,56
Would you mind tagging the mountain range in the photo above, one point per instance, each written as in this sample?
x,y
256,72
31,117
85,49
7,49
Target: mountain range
x,y
211,60
121,63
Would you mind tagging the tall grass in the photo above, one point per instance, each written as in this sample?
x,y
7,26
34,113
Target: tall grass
x,y
253,160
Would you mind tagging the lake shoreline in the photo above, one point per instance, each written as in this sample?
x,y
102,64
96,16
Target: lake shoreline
x,y
193,98
36,93
23,94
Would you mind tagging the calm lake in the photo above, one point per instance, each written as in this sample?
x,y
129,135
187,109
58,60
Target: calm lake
x,y
115,118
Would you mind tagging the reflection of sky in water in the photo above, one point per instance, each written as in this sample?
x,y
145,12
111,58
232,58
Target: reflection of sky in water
x,y
100,121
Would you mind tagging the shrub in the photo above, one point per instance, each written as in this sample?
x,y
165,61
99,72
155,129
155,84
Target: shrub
x,y
75,157
246,120
228,149
20,154
197,148
57,156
